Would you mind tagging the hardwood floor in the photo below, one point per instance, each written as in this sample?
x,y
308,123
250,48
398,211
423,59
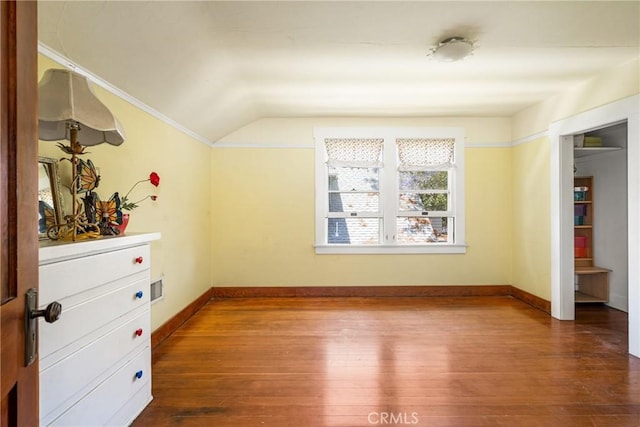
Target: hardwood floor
x,y
455,362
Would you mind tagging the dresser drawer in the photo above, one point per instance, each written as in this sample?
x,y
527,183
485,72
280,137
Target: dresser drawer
x,y
73,377
99,406
82,323
130,411
63,279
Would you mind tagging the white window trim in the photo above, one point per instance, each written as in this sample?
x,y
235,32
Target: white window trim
x,y
321,182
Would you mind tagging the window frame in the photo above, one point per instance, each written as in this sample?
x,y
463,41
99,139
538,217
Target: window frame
x,y
389,190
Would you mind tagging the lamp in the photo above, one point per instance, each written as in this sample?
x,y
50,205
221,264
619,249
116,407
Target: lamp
x,y
68,107
452,49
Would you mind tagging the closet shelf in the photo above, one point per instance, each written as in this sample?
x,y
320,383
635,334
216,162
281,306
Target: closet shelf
x,y
590,151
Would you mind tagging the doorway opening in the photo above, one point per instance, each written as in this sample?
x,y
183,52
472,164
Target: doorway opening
x,y
561,134
600,216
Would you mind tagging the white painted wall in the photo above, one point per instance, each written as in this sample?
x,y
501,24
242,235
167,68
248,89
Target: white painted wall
x,y
610,240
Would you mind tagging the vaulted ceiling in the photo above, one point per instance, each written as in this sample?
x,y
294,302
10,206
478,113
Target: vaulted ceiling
x,y
214,66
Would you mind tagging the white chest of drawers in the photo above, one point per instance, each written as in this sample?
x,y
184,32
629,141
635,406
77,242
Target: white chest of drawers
x,y
95,361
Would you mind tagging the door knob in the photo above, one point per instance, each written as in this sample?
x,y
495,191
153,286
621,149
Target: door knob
x,y
51,313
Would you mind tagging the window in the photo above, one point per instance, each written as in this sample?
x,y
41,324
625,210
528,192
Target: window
x,y
389,190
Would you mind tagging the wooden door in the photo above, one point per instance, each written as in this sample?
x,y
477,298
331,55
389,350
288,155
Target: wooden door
x,y
18,206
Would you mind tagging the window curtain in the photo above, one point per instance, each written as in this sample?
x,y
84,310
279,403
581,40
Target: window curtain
x,y
421,154
354,152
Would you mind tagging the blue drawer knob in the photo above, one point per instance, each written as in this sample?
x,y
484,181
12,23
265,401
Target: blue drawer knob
x,y
139,294
139,374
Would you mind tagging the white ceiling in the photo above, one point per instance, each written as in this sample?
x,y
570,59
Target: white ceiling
x,y
213,66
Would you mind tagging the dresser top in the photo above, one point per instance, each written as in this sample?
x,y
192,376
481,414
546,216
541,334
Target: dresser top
x,y
54,250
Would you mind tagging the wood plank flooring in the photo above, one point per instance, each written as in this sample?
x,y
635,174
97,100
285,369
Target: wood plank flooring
x,y
335,362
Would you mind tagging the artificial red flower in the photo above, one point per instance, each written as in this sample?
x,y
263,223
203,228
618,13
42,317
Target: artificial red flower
x,y
155,179
126,205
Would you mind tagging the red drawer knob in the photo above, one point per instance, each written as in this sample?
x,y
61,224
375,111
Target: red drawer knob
x,y
139,260
139,332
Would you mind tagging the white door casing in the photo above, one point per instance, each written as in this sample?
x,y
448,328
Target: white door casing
x,y
561,206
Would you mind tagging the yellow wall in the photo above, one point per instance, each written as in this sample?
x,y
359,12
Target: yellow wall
x,y
182,212
263,222
531,226
508,201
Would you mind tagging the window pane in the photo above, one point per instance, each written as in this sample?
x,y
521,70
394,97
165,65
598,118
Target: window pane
x,y
424,180
353,179
355,231
423,202
421,230
354,202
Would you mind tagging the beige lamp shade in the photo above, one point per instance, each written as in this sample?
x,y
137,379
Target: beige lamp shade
x,y
65,98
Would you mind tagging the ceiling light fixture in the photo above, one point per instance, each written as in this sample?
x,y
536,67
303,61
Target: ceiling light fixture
x,y
452,49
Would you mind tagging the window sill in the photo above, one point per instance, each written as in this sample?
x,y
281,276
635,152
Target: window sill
x,y
391,249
